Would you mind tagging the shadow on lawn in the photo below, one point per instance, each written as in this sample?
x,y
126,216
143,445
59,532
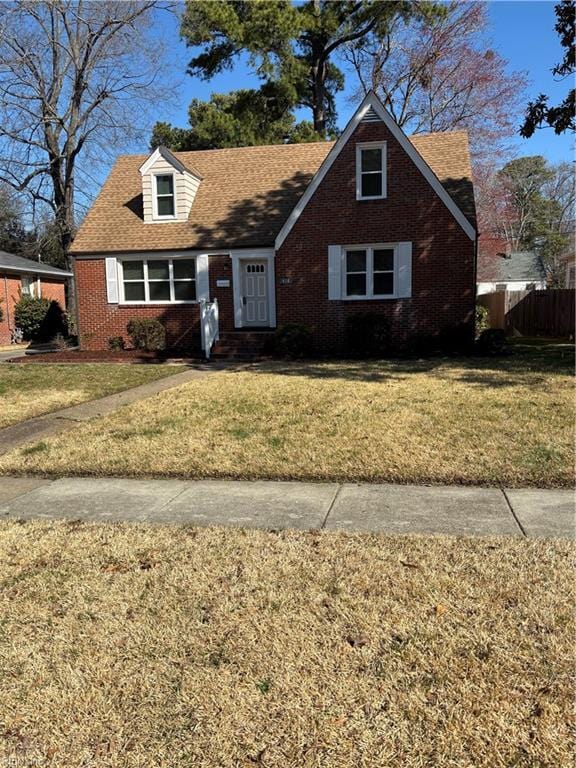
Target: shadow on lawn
x,y
528,365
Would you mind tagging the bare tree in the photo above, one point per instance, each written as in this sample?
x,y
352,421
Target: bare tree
x,y
560,189
11,220
440,74
77,78
530,205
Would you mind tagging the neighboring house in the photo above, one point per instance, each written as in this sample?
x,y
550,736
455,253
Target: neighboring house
x,y
24,277
300,233
500,269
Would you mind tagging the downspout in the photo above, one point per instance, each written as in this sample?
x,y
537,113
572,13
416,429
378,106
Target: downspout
x,y
476,267
475,294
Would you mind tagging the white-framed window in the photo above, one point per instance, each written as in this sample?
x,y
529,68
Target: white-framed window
x,y
164,196
371,170
30,286
157,281
370,271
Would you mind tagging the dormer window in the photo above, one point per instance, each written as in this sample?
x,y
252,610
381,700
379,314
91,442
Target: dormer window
x,y
168,187
371,170
164,198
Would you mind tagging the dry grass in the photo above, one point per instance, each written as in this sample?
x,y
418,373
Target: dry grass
x,y
31,390
506,421
130,646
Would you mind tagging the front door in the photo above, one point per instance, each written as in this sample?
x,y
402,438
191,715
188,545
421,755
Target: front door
x,y
255,293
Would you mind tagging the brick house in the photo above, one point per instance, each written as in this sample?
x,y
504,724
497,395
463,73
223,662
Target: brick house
x,y
303,233
18,277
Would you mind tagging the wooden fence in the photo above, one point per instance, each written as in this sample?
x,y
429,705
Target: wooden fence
x,y
532,313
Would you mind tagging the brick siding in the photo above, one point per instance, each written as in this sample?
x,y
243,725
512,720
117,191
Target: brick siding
x,y
442,254
10,292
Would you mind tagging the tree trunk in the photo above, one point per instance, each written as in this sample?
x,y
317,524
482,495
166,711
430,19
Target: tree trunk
x,y
319,98
64,215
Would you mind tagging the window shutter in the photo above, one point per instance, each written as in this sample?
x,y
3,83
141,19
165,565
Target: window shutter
x,y
334,272
202,285
112,280
404,270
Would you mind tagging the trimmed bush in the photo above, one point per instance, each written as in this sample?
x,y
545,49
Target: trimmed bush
x,y
491,342
147,333
481,319
453,341
39,319
456,339
116,343
367,335
293,340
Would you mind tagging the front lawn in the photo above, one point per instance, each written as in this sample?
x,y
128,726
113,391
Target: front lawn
x,y
127,646
476,421
32,390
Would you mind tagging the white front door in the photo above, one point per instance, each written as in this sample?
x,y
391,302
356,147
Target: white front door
x,y
255,309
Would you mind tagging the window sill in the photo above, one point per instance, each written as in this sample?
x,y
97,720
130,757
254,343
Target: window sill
x,y
364,199
154,303
388,297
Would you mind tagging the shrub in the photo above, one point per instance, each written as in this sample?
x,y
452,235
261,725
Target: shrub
x,y
367,335
116,342
491,342
456,339
482,322
293,340
453,340
39,319
147,333
60,342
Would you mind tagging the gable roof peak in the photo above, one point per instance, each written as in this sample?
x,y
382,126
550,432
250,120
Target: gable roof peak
x,y
164,153
371,101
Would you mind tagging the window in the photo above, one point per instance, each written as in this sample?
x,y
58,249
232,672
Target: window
x,y
30,286
165,206
356,273
371,171
158,280
370,272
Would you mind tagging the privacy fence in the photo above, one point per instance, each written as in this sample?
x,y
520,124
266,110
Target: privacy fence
x,y
532,313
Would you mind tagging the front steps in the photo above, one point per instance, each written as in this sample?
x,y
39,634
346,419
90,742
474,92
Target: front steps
x,y
243,345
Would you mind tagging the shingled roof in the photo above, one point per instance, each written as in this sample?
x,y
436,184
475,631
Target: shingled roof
x,y
10,262
245,197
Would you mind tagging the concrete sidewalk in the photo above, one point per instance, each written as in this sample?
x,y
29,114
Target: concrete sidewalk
x,y
67,418
451,510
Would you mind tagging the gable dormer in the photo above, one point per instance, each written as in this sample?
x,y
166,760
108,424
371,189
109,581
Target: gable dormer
x,y
168,187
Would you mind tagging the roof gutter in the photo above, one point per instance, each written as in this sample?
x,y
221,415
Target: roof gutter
x,y
35,271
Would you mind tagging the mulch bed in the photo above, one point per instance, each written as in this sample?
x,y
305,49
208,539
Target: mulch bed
x,y
110,356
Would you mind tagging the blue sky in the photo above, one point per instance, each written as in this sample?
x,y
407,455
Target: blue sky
x,y
522,32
